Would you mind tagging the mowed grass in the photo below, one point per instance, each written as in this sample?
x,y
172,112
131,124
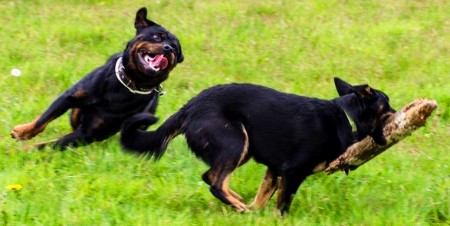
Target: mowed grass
x,y
401,47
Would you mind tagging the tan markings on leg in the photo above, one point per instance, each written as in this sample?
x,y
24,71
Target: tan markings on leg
x,y
321,166
28,130
75,118
266,190
80,93
281,190
236,195
237,204
242,160
244,155
212,176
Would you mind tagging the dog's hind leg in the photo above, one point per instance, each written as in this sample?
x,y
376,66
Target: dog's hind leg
x,y
266,190
219,188
91,129
224,148
244,157
74,139
208,176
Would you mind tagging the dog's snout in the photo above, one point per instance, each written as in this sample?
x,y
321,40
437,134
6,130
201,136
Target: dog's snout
x,y
392,110
386,116
168,48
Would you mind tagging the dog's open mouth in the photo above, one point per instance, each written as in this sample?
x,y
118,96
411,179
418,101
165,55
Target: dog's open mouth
x,y
152,61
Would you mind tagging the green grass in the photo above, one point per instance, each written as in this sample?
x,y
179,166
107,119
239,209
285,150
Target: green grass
x,y
401,47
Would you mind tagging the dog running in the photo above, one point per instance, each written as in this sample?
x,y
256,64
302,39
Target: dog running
x,y
294,136
128,83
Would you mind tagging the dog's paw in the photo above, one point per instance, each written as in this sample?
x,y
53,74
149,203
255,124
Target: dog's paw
x,y
242,208
25,131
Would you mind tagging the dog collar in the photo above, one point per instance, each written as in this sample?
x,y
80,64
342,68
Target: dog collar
x,y
129,84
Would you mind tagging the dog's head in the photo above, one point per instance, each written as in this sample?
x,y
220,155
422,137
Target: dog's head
x,y
152,53
368,107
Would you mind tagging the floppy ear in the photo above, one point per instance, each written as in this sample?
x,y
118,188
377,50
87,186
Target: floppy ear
x,y
180,56
141,20
342,87
364,91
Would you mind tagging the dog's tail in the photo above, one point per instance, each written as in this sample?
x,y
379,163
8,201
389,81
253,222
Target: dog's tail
x,y
152,143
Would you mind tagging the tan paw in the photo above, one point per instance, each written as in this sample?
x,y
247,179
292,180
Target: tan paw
x,y
242,208
25,131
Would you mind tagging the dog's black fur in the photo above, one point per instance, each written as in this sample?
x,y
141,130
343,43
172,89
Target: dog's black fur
x,y
294,136
100,102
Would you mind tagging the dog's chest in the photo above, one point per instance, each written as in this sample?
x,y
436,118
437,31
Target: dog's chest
x,y
125,100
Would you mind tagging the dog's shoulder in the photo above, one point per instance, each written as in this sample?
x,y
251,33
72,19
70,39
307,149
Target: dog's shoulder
x,y
98,79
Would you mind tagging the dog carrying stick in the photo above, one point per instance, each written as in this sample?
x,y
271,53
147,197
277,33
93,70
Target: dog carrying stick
x,y
397,127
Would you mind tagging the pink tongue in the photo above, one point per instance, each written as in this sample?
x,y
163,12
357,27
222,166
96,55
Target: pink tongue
x,y
159,61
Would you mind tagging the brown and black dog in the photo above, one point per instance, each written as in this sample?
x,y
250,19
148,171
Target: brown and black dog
x,y
294,136
127,84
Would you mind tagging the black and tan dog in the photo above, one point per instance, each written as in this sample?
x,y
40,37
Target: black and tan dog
x,y
294,136
128,83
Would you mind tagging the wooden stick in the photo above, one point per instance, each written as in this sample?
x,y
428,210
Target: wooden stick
x,y
397,127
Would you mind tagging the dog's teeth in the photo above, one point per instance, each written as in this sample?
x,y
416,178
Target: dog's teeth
x,y
147,59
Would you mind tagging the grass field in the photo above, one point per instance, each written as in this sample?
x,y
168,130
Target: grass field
x,y
401,47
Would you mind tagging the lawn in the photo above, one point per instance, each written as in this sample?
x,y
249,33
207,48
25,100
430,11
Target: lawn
x,y
401,47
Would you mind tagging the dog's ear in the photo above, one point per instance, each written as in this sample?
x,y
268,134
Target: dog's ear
x,y
180,56
141,20
364,91
342,87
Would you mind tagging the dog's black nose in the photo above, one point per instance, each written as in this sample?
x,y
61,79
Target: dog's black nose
x,y
168,48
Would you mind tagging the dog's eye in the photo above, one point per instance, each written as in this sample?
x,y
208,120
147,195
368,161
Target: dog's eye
x,y
157,37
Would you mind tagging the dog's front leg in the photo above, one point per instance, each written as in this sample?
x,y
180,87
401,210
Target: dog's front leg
x,y
33,128
288,186
151,106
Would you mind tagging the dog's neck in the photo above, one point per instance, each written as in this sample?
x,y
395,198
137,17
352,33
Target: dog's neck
x,y
130,84
346,103
351,122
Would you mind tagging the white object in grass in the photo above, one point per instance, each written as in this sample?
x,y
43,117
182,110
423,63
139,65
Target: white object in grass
x,y
16,72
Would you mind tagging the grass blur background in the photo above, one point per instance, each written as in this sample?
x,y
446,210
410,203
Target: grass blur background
x,y
401,47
